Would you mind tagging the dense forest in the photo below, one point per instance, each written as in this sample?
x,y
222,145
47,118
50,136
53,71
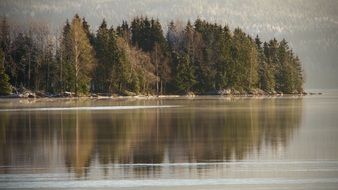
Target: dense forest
x,y
140,58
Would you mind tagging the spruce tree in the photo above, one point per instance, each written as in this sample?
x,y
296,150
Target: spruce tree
x,y
104,66
185,75
266,76
66,69
124,32
299,78
204,57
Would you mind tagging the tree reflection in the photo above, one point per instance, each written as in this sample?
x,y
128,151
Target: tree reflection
x,y
79,142
224,130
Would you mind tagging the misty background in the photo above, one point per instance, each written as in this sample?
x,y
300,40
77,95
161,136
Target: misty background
x,y
310,26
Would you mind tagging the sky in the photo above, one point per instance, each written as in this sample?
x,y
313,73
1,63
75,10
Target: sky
x,y
310,26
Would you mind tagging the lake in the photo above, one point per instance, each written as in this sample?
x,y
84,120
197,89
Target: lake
x,y
170,143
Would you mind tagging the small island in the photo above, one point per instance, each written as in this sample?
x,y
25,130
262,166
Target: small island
x,y
139,58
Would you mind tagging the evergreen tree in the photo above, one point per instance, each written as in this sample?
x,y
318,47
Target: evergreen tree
x,y
5,87
124,31
299,78
185,77
244,71
5,43
192,45
123,69
25,57
224,58
49,72
148,35
66,69
86,29
266,75
202,58
104,68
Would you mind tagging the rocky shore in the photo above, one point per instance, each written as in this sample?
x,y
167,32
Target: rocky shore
x,y
25,93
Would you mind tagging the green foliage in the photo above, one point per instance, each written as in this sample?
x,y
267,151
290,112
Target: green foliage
x,y
84,60
265,70
5,87
135,83
201,57
124,31
123,69
107,54
288,76
146,33
185,77
66,79
244,71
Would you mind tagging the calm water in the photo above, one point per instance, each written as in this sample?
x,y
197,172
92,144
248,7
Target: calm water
x,y
199,143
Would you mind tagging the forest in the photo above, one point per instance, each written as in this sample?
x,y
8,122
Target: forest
x,y
140,58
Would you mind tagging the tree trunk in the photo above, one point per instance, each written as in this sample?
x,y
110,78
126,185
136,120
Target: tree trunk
x,y
77,67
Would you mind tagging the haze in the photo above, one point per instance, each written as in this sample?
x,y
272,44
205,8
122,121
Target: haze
x,y
311,26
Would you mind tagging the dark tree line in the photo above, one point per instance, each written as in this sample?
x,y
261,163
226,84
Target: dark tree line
x,y
199,57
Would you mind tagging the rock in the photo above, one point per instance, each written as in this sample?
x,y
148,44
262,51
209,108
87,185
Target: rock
x,y
227,92
68,94
314,93
257,92
31,95
261,92
273,92
224,92
128,93
190,94
27,95
295,92
40,94
236,92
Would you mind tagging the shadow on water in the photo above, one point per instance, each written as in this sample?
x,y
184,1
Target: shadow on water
x,y
201,131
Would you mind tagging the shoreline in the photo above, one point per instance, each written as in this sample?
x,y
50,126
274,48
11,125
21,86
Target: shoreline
x,y
117,97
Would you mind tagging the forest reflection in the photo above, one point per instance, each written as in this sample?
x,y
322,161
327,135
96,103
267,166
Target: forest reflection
x,y
199,131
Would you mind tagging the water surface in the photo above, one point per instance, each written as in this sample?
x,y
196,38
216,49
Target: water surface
x,y
187,143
